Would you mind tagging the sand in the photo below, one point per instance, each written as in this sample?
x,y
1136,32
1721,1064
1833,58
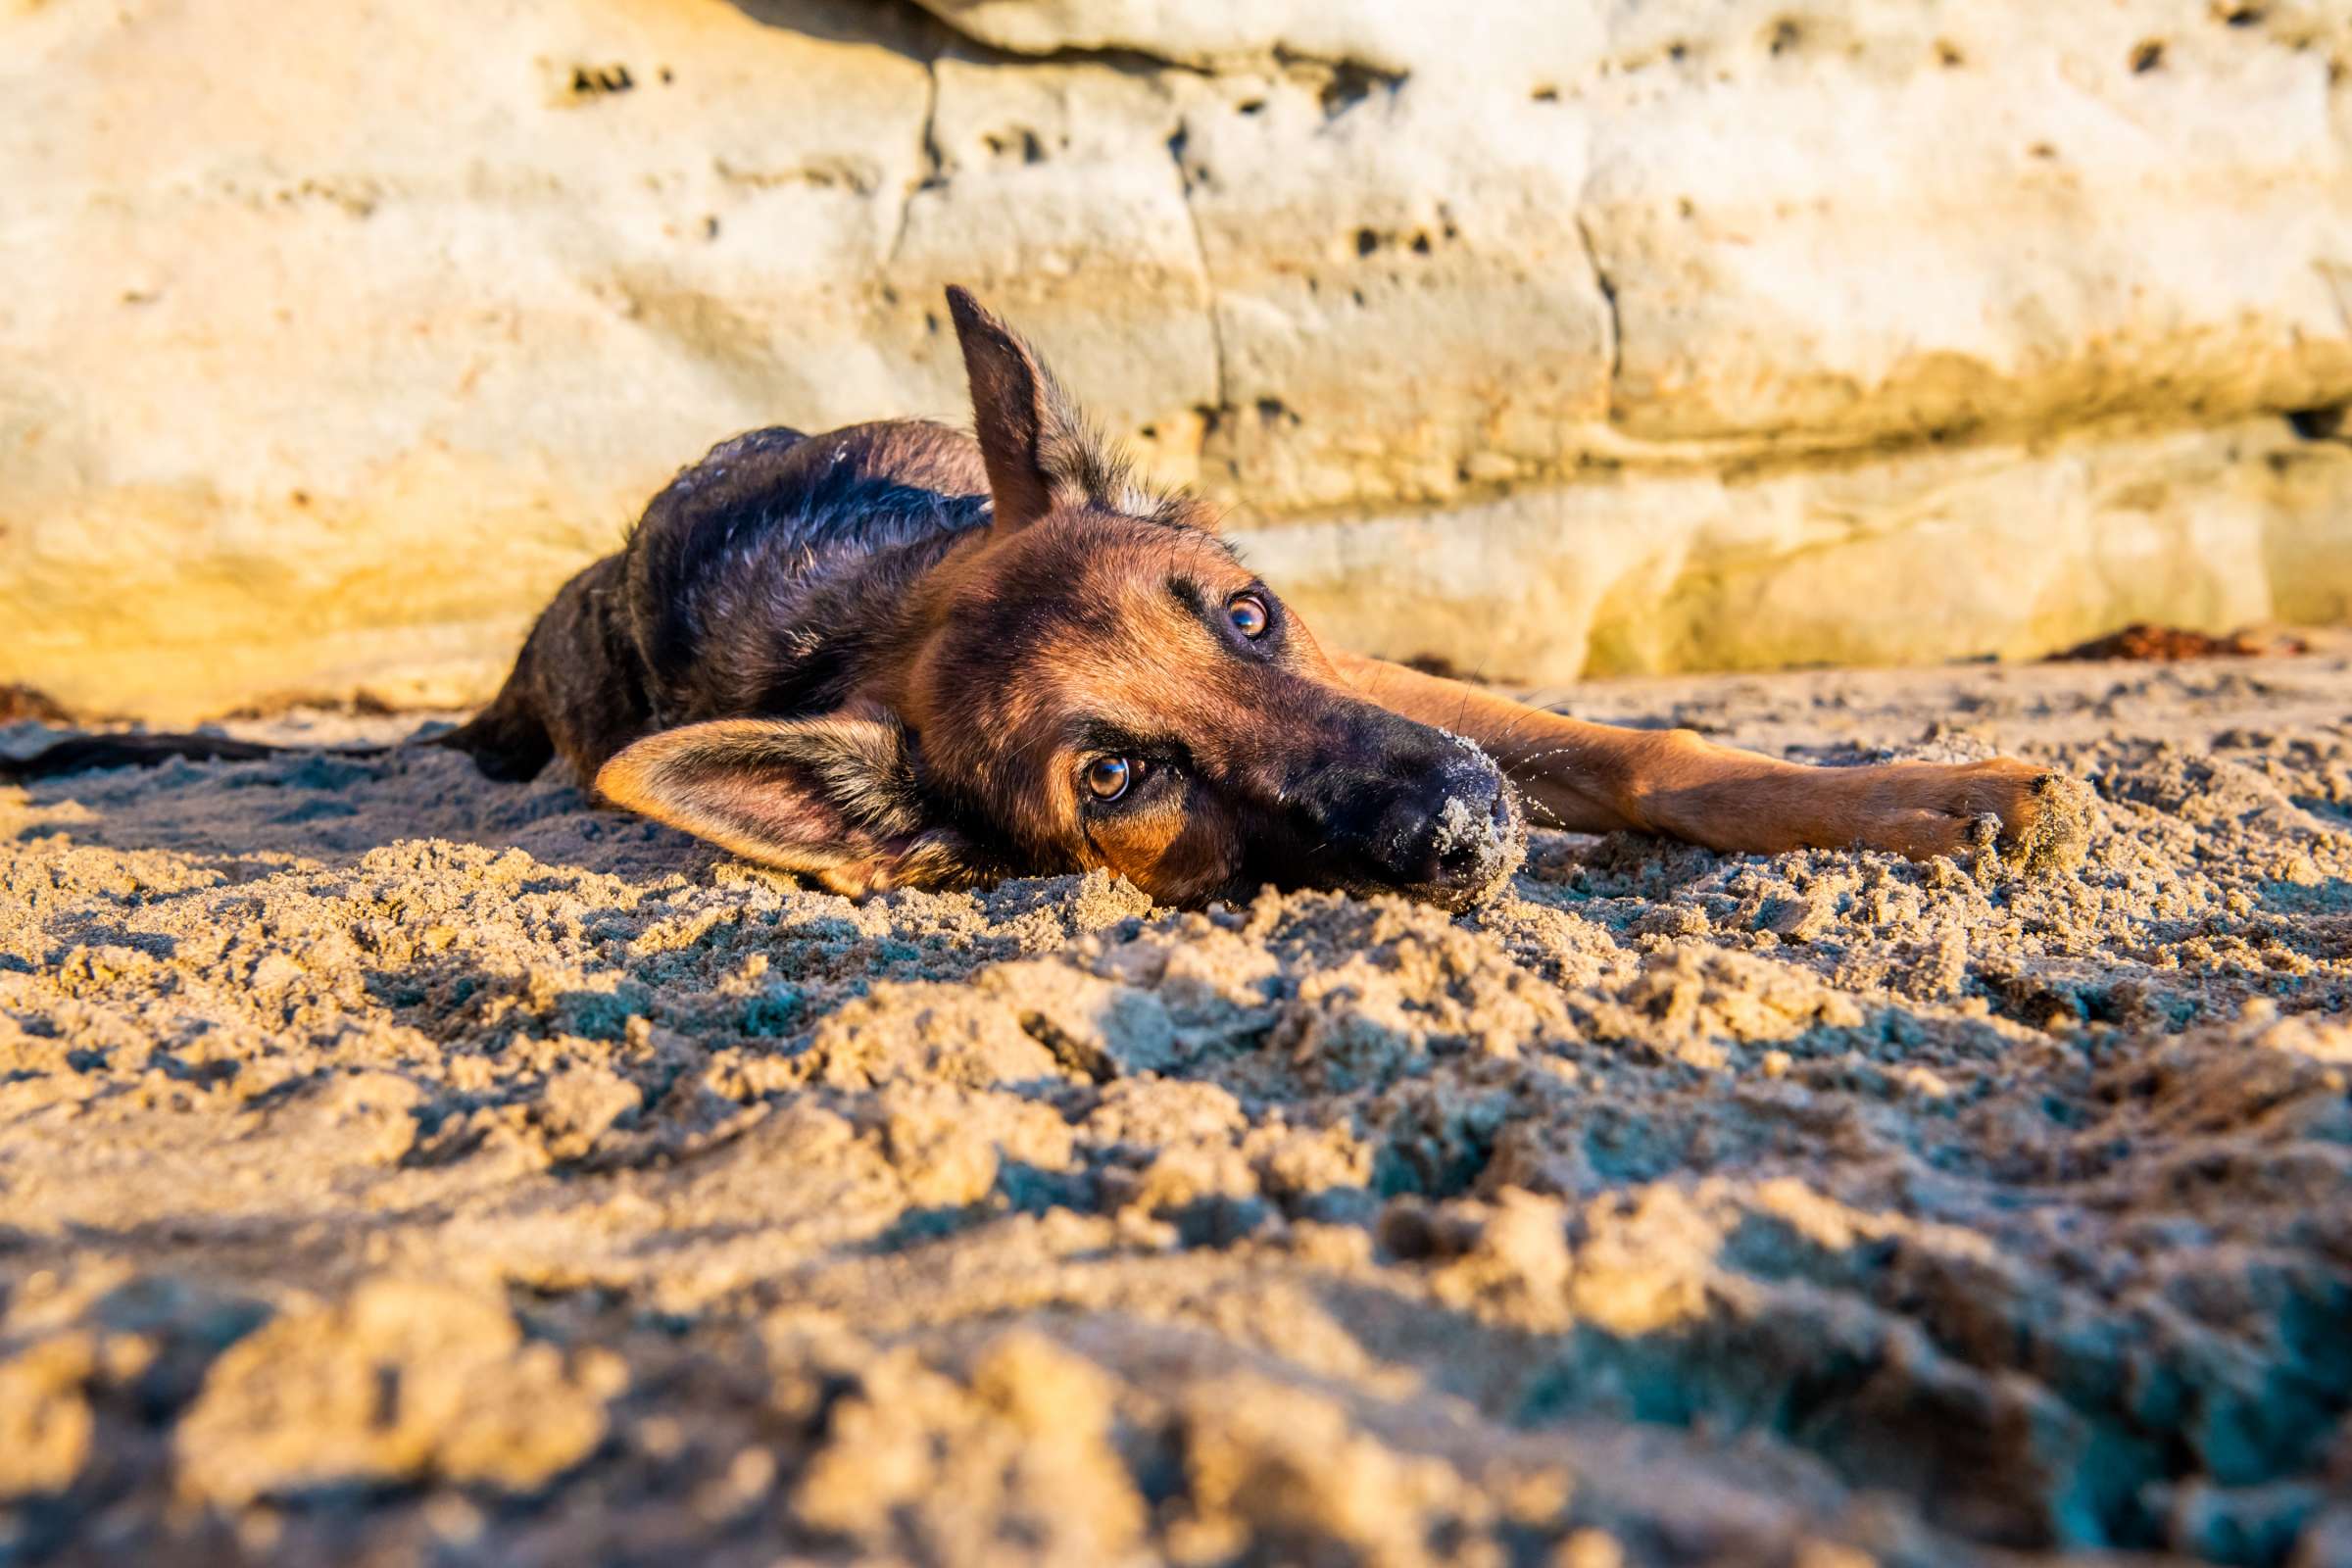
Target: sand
x,y
400,1167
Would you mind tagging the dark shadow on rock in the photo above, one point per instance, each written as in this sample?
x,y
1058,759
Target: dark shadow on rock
x,y
900,26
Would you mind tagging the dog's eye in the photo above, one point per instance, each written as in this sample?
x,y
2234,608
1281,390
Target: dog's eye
x,y
1247,612
1108,777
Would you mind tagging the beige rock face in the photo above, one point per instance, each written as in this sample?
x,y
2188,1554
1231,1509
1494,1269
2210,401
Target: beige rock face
x,y
1933,553
1596,335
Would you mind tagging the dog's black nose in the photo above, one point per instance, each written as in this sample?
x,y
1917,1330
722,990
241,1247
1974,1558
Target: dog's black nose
x,y
1458,836
1385,804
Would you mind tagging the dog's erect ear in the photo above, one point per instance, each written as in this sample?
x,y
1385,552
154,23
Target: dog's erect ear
x,y
834,799
1028,431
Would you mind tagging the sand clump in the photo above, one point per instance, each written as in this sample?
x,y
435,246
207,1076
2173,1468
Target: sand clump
x,y
395,1165
399,1383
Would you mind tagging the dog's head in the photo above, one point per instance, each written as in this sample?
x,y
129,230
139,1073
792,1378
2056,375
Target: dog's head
x,y
1099,681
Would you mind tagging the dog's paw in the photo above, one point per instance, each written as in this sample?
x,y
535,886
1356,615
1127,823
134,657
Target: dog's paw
x,y
2033,819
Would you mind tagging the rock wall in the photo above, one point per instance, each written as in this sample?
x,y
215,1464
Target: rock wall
x,y
1562,335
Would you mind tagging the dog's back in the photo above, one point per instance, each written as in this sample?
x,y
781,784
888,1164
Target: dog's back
x,y
753,585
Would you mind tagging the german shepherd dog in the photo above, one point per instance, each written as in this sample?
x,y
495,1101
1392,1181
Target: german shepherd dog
x,y
896,656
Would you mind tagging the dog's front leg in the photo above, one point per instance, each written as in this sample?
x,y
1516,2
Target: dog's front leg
x,y
1595,778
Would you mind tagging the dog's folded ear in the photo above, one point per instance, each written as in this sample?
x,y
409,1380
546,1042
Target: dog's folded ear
x,y
834,799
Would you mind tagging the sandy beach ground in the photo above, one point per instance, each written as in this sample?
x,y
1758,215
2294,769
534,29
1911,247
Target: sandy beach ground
x,y
398,1167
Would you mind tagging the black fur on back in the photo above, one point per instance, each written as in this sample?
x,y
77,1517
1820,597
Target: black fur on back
x,y
750,586
761,572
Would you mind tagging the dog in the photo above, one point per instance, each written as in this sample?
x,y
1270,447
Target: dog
x,y
896,656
